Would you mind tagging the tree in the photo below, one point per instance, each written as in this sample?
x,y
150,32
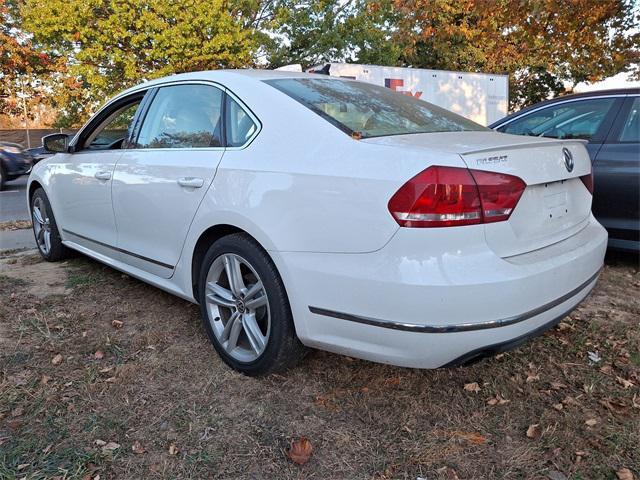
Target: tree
x,y
316,31
542,44
107,46
20,63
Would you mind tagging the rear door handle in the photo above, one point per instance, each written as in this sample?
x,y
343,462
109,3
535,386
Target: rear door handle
x,y
103,175
191,182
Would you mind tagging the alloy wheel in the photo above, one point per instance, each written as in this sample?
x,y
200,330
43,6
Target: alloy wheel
x,y
41,225
238,307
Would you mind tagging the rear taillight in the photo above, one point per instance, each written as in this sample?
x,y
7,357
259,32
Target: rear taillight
x,y
588,181
451,196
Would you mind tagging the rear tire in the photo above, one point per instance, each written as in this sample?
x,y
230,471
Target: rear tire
x,y
3,177
45,229
245,308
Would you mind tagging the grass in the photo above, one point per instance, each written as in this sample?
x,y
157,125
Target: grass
x,y
159,384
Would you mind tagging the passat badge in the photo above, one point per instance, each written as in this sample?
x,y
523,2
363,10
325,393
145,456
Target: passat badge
x,y
568,159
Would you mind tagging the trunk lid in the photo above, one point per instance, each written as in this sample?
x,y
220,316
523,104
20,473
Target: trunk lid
x,y
555,204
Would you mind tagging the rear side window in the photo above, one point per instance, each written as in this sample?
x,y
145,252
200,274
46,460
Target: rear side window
x,y
579,119
370,110
183,116
631,129
239,125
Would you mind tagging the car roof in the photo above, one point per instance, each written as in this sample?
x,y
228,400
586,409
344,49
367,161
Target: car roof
x,y
226,75
564,98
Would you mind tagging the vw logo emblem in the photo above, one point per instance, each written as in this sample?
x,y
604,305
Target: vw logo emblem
x,y
568,159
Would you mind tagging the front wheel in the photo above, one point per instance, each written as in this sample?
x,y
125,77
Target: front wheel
x,y
45,228
245,308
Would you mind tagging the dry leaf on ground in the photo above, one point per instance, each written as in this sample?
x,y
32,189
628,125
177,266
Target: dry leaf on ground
x,y
534,431
300,451
625,474
137,448
472,387
57,360
98,355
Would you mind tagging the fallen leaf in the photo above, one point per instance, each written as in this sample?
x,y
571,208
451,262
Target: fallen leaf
x,y
534,431
98,355
472,387
300,451
591,422
558,385
450,473
624,382
173,450
625,474
497,400
472,437
558,406
137,448
45,379
57,360
100,443
110,447
556,475
531,377
22,466
117,324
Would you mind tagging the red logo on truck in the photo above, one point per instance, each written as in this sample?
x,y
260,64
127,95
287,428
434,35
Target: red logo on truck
x,y
395,83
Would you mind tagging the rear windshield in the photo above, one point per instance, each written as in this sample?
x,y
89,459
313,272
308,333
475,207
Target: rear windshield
x,y
369,110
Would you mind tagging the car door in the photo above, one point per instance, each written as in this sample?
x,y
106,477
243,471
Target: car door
x,y
159,183
616,197
585,118
81,180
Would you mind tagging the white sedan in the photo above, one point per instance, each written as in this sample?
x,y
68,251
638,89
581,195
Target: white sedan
x,y
300,210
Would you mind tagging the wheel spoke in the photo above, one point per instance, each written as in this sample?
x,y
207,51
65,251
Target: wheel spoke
x,y
38,215
256,302
40,236
234,333
253,290
220,291
254,334
232,268
224,336
218,300
47,240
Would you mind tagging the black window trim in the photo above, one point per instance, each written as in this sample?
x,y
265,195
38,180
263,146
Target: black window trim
x,y
104,113
144,92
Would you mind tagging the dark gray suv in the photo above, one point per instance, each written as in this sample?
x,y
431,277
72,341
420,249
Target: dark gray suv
x,y
610,121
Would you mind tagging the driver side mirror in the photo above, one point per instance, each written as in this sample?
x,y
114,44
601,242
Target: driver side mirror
x,y
56,142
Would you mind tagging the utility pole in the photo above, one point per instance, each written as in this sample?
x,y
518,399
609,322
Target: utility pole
x,y
26,117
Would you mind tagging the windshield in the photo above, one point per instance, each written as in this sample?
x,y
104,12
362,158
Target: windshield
x,y
368,110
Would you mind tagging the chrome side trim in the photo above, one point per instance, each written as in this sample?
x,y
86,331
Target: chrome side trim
x,y
460,327
121,250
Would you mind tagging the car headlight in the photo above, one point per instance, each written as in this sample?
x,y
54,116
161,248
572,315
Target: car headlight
x,y
11,149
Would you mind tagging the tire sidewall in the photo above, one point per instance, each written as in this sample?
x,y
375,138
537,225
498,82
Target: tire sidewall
x,y
276,296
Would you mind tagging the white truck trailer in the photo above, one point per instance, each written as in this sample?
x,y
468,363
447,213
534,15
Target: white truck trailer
x,y
481,97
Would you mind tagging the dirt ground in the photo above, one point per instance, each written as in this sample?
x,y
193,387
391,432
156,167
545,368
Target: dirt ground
x,y
102,376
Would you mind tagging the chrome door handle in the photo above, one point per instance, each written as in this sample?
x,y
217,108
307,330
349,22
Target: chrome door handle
x,y
191,182
103,175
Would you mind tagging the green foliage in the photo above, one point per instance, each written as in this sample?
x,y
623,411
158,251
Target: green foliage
x,y
108,46
86,50
317,31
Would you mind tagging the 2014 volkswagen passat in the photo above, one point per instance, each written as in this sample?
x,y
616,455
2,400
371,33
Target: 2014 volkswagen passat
x,y
299,210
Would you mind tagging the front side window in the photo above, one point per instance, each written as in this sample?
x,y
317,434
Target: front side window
x,y
631,129
183,116
114,131
578,119
370,110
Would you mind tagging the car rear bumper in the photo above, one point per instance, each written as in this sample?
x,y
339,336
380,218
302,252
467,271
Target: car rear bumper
x,y
425,302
